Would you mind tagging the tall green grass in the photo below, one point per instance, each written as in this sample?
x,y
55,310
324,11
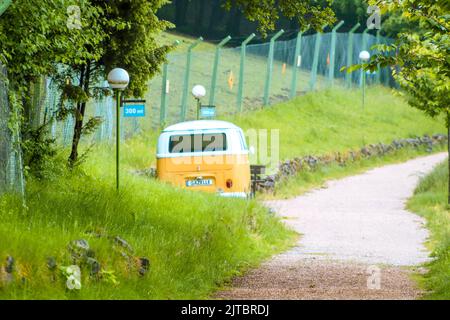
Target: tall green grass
x,y
334,120
430,201
194,241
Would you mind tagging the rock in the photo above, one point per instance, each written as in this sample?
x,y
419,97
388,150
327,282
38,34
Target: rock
x,y
365,151
80,250
122,243
94,266
51,263
81,244
144,266
9,267
149,172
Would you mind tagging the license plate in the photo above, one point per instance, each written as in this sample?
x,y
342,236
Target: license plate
x,y
199,182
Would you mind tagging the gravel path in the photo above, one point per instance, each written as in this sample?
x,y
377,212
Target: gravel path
x,y
353,228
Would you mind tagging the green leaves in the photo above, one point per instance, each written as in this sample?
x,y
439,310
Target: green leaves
x,y
422,58
131,42
34,37
316,14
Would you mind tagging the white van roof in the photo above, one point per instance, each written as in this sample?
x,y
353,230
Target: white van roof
x,y
201,125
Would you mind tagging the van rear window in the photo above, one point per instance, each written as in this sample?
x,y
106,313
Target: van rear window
x,y
205,142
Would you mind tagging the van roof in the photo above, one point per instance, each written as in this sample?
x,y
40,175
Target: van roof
x,y
201,125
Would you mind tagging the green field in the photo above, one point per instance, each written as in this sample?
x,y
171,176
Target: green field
x,y
430,201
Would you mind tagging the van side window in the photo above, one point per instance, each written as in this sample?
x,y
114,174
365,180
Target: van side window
x,y
206,142
243,142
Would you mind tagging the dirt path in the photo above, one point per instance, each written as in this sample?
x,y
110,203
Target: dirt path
x,y
358,241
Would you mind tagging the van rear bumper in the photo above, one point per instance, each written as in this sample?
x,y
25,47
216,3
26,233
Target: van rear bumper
x,y
241,195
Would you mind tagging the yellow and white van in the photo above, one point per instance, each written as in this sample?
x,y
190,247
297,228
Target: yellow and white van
x,y
206,155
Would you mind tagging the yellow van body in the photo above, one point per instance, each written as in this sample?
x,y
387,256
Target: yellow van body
x,y
205,155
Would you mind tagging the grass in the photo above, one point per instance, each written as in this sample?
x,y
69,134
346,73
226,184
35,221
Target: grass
x,y
316,123
430,201
194,241
226,97
333,120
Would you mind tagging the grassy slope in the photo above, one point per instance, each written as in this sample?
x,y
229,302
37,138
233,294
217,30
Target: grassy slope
x,y
336,120
226,97
194,241
430,201
316,123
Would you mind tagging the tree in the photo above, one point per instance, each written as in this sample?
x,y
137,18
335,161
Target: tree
x,y
422,59
267,12
34,41
130,28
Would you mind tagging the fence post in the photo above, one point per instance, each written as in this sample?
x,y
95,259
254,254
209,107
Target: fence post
x,y
164,97
312,82
378,74
212,94
186,78
364,47
270,67
364,39
241,71
165,92
348,76
333,52
296,64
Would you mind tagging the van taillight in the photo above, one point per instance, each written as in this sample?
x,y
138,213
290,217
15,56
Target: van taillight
x,y
229,183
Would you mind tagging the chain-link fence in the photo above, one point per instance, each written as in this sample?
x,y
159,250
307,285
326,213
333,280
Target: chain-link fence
x,y
238,79
11,168
245,78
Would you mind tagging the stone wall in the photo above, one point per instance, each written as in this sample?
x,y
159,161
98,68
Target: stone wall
x,y
294,166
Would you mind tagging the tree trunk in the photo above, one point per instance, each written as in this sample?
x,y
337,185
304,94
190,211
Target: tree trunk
x,y
79,114
448,152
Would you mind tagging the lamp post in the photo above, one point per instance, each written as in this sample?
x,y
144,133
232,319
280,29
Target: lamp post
x,y
118,80
198,91
364,56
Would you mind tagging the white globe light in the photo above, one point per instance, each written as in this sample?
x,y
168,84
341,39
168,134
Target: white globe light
x,y
198,91
364,55
118,78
